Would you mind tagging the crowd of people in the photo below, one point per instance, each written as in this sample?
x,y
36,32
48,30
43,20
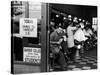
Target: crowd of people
x,y
65,36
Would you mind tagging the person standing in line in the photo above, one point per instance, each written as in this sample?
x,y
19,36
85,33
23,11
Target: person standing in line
x,y
55,46
70,41
79,36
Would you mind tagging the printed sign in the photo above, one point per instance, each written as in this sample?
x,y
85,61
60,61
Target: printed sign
x,y
32,55
28,27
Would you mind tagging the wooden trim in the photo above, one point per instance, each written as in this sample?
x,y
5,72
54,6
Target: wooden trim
x,y
26,63
44,38
47,32
26,10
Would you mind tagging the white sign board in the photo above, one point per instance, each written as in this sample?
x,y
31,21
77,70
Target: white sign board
x,y
32,55
28,27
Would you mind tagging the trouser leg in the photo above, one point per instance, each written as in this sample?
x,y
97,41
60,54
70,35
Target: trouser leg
x,y
61,60
72,53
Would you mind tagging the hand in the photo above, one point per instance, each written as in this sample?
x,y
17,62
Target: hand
x,y
59,42
56,50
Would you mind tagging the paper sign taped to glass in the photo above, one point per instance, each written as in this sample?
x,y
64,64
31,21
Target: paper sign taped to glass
x,y
32,55
28,27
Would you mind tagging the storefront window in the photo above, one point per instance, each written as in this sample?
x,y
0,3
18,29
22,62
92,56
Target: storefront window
x,y
35,12
24,10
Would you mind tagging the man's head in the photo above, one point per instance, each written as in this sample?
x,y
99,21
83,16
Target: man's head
x,y
81,24
59,30
75,19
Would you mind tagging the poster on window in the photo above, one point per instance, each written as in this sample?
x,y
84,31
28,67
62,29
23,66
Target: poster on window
x,y
32,55
28,27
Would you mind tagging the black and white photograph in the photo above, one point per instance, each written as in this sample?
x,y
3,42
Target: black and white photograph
x,y
53,37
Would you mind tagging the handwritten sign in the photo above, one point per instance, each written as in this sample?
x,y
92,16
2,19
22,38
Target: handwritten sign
x,y
28,27
32,55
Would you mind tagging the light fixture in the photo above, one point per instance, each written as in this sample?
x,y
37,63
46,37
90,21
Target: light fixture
x,y
80,19
64,18
69,16
75,18
57,15
83,20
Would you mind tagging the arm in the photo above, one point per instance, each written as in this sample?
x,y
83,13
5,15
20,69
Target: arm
x,y
53,39
56,42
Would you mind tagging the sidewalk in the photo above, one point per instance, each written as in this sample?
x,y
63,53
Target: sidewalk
x,y
25,68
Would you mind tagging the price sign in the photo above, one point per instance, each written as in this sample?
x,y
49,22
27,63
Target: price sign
x,y
32,55
28,27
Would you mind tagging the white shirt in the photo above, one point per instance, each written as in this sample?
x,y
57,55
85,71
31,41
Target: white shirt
x,y
70,36
79,35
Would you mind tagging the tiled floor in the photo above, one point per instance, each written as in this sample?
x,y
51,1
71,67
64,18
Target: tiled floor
x,y
87,61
